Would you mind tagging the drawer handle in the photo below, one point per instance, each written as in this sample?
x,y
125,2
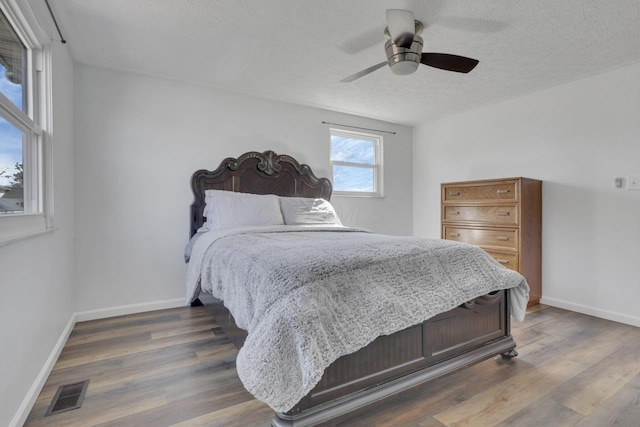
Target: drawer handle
x,y
502,261
454,234
502,238
503,191
454,193
503,213
454,213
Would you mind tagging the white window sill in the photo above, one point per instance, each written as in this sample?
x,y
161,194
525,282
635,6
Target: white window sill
x,y
21,226
360,195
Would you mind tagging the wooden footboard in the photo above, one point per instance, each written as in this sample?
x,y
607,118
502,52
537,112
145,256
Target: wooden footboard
x,y
468,334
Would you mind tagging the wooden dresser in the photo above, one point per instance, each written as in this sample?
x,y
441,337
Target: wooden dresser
x,y
502,216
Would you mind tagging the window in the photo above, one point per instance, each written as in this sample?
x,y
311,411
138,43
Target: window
x,y
356,163
22,111
13,55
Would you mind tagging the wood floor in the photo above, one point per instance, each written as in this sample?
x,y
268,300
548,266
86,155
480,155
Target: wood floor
x,y
177,368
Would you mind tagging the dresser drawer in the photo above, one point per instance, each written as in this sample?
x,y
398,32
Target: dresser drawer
x,y
498,191
503,239
509,260
497,215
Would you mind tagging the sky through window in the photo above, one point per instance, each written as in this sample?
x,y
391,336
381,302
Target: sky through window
x,y
354,163
10,136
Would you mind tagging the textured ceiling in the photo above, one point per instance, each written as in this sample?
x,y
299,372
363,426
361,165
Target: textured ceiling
x,y
297,51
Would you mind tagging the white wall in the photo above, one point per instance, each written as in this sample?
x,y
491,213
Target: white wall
x,y
37,274
139,139
576,138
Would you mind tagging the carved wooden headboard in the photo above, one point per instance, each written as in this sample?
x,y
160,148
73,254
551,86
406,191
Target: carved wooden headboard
x,y
257,173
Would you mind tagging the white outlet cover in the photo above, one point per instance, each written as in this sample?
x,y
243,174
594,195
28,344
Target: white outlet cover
x,y
633,182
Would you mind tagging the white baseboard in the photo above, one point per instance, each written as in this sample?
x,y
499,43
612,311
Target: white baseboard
x,y
592,311
29,400
122,310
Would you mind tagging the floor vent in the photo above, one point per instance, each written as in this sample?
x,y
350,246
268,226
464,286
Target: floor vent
x,y
67,397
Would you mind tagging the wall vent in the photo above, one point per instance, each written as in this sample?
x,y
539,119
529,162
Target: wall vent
x,y
68,397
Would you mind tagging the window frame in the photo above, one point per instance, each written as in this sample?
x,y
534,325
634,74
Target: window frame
x,y
377,166
37,217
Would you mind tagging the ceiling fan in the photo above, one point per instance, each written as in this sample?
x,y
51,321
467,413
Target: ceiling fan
x,y
404,49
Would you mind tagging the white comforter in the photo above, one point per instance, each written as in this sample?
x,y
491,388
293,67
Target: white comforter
x,y
308,295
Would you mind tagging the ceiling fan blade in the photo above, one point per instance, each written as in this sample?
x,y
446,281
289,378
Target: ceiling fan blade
x,y
362,41
401,26
445,61
363,72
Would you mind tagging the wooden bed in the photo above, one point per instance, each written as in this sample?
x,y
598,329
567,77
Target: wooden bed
x,y
468,334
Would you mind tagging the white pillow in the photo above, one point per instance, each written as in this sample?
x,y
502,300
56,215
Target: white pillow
x,y
226,209
300,210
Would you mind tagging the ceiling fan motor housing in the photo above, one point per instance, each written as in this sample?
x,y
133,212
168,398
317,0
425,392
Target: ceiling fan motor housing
x,y
403,61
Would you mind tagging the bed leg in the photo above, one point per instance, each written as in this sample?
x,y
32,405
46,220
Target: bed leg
x,y
510,354
197,303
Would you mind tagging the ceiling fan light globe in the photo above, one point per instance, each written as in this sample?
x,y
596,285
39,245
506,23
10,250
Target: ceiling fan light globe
x,y
404,67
